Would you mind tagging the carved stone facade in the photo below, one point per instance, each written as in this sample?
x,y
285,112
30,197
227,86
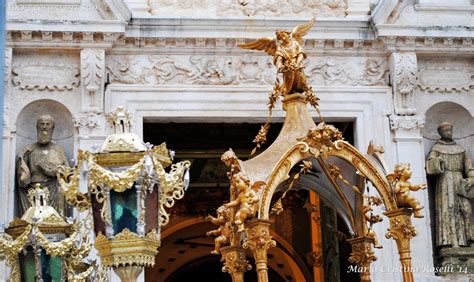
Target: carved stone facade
x,y
384,65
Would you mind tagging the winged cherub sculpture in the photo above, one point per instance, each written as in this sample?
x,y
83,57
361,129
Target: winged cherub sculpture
x,y
288,56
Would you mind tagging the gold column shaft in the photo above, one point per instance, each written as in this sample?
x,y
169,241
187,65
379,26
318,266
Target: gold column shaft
x,y
402,231
128,273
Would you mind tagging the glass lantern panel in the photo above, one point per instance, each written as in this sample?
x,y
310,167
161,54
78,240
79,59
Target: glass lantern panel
x,y
124,210
51,266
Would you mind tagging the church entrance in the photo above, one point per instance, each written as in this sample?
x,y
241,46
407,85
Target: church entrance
x,y
311,237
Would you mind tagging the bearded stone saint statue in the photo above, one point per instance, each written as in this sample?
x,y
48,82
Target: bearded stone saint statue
x,y
38,163
453,191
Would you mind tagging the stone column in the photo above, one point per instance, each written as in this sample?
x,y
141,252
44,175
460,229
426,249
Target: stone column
x,y
409,148
259,241
8,152
235,262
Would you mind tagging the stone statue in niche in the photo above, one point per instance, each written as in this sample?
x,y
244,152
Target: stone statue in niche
x,y
38,163
453,191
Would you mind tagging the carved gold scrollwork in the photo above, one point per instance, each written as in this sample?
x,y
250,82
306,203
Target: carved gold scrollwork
x,y
12,248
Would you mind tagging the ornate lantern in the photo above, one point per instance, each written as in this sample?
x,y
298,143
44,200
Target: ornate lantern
x,y
126,186
42,245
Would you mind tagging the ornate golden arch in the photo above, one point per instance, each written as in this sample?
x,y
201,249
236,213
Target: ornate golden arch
x,y
302,140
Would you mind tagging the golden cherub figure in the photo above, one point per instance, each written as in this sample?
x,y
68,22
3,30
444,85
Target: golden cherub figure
x,y
224,231
372,219
247,200
288,56
402,187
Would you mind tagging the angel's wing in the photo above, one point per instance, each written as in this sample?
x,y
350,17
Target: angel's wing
x,y
266,44
301,30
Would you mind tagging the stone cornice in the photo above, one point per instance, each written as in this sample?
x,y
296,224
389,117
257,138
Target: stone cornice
x,y
61,39
342,36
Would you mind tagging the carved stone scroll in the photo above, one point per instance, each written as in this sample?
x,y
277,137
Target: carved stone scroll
x,y
92,77
403,68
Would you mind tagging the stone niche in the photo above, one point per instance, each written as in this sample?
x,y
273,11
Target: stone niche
x,y
463,126
461,258
63,134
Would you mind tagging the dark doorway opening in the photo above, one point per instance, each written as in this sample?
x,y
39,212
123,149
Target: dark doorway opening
x,y
203,144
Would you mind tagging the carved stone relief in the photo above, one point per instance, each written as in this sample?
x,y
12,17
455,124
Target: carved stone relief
x,y
124,69
6,94
403,68
239,70
92,74
252,8
87,123
406,123
45,76
60,10
333,71
446,75
7,64
334,8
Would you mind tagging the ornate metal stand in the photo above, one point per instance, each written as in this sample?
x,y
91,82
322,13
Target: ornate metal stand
x,y
254,182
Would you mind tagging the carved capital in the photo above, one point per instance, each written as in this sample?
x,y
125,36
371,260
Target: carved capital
x,y
259,239
403,68
87,123
407,126
362,254
92,78
400,225
235,262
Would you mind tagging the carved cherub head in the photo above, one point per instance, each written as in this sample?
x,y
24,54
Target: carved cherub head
x,y
228,157
403,171
222,211
241,182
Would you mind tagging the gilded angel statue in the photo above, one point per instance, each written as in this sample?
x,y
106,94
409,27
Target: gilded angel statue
x,y
402,187
288,56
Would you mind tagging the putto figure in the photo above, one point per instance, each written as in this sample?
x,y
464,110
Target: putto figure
x,y
288,56
246,201
224,231
402,188
38,163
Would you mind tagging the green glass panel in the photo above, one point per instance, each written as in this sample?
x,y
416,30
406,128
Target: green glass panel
x,y
27,266
124,210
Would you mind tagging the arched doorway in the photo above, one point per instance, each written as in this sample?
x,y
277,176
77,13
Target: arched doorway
x,y
185,248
